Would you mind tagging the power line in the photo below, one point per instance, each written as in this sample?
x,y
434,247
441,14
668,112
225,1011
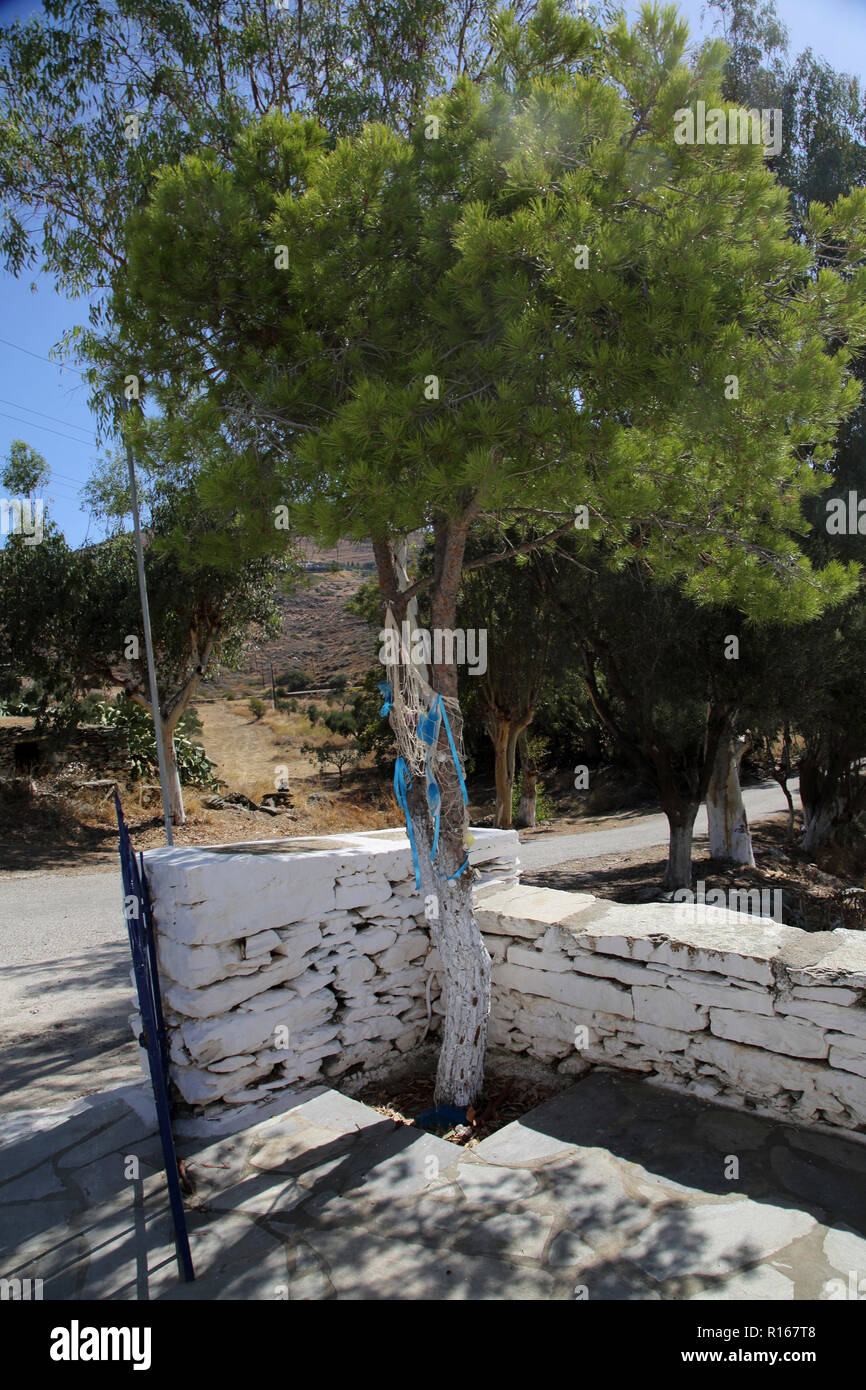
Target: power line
x,y
34,426
56,418
65,478
41,358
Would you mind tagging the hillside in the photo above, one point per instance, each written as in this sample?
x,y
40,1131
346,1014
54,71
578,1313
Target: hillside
x,y
319,636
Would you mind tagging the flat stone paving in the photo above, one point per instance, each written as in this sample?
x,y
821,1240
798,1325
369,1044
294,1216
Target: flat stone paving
x,y
615,1189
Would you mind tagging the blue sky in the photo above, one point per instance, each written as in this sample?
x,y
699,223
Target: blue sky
x,y
47,406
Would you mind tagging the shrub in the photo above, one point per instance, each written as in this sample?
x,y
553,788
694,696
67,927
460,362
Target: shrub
x,y
257,707
293,678
313,714
338,755
340,722
194,767
191,722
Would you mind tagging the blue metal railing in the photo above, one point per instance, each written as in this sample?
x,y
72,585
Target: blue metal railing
x,y
142,944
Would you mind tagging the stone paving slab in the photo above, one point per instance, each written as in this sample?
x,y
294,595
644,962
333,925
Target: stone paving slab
x,y
612,1190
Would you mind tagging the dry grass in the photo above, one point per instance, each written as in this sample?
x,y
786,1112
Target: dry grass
x,y
56,825
248,752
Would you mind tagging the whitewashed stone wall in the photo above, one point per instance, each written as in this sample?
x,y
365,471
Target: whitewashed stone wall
x,y
738,1009
289,962
293,962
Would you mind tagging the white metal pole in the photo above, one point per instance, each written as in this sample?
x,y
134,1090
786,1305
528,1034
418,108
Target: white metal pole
x,y
148,641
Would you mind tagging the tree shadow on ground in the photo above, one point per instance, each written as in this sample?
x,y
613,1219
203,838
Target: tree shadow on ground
x,y
49,1053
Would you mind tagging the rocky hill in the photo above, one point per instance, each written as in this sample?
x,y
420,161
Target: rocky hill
x,y
319,636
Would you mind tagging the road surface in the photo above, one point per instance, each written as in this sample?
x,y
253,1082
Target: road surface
x,y
65,991
545,851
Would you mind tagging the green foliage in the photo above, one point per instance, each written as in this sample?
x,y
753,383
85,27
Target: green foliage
x,y
293,678
373,732
313,713
67,614
190,723
337,755
24,470
454,258
257,707
813,681
23,702
194,767
196,72
340,722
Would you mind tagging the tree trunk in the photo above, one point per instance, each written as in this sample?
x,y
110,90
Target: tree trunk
x,y
514,733
820,794
504,778
528,801
465,973
173,788
819,823
781,773
681,821
528,787
466,967
458,939
726,815
455,931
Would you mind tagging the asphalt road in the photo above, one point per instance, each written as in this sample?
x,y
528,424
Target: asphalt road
x,y
545,850
65,990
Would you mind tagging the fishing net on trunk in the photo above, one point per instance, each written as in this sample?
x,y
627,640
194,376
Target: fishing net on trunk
x,y
419,715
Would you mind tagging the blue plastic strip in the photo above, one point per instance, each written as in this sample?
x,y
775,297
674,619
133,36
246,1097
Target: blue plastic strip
x,y
428,726
453,750
427,731
434,801
401,783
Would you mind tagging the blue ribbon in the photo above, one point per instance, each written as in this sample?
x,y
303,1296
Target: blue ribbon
x,y
428,728
386,691
453,749
402,783
434,801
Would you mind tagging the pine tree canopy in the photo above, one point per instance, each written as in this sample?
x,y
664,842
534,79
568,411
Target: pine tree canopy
x,y
533,299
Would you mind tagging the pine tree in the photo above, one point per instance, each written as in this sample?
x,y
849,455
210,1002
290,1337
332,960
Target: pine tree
x,y
535,300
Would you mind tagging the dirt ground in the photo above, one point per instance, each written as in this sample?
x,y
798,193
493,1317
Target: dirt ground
x,y
512,1086
247,751
59,826
813,898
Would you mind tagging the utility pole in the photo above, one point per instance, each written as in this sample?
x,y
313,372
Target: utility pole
x,y
148,640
